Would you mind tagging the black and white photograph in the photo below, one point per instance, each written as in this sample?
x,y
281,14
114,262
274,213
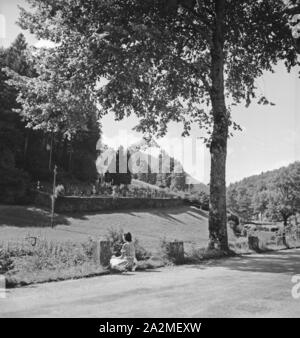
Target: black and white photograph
x,y
149,162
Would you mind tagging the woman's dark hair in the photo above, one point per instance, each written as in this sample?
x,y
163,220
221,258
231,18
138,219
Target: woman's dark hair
x,y
127,237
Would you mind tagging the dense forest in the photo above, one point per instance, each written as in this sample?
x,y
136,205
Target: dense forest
x,y
28,152
273,195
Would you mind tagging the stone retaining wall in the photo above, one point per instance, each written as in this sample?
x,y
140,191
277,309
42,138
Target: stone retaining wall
x,y
92,204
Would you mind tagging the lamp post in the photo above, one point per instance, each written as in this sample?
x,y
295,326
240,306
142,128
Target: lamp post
x,y
53,196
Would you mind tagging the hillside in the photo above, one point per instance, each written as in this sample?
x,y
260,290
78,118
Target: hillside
x,y
265,178
198,187
273,193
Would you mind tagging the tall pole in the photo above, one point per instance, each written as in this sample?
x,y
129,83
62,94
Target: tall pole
x,y
51,151
53,196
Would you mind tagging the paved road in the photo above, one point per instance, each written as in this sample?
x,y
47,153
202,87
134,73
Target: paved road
x,y
255,286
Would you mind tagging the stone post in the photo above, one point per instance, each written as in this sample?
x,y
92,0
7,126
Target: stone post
x,y
253,243
102,252
176,252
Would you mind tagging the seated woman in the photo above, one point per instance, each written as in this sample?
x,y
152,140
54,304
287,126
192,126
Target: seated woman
x,y
127,260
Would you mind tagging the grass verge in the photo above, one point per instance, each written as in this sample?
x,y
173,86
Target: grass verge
x,y
36,260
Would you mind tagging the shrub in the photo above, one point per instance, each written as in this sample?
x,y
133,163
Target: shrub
x,y
204,200
38,254
165,250
59,190
38,260
115,237
88,247
6,262
140,252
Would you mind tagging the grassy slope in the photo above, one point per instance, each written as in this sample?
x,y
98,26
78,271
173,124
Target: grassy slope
x,y
149,226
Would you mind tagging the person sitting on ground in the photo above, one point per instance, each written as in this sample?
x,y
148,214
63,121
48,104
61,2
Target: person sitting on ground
x,y
127,260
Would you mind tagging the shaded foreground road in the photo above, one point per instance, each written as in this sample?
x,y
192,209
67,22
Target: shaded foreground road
x,y
252,286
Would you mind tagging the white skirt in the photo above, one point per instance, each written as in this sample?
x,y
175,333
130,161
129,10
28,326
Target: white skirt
x,y
122,264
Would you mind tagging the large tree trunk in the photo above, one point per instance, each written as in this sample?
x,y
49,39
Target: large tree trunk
x,y
218,148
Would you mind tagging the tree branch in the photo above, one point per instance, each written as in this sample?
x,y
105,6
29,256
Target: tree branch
x,y
205,32
293,11
202,77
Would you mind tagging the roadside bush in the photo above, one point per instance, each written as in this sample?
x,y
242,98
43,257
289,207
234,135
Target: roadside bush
x,y
166,251
60,190
39,254
88,247
36,260
115,237
140,252
6,262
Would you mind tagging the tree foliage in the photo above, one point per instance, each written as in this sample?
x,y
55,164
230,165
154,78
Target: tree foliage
x,y
285,197
293,9
156,54
50,101
24,142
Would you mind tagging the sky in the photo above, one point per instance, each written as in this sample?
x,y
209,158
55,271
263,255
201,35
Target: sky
x,y
271,134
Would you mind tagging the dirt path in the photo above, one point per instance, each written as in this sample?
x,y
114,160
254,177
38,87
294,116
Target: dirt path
x,y
255,286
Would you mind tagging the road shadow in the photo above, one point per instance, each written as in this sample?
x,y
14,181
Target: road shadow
x,y
284,261
199,214
31,216
165,213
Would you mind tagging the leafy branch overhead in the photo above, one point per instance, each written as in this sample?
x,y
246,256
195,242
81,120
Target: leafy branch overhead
x,y
293,10
156,55
50,100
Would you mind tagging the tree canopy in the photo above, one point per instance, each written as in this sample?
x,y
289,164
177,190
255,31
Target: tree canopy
x,y
49,101
293,9
156,54
25,152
